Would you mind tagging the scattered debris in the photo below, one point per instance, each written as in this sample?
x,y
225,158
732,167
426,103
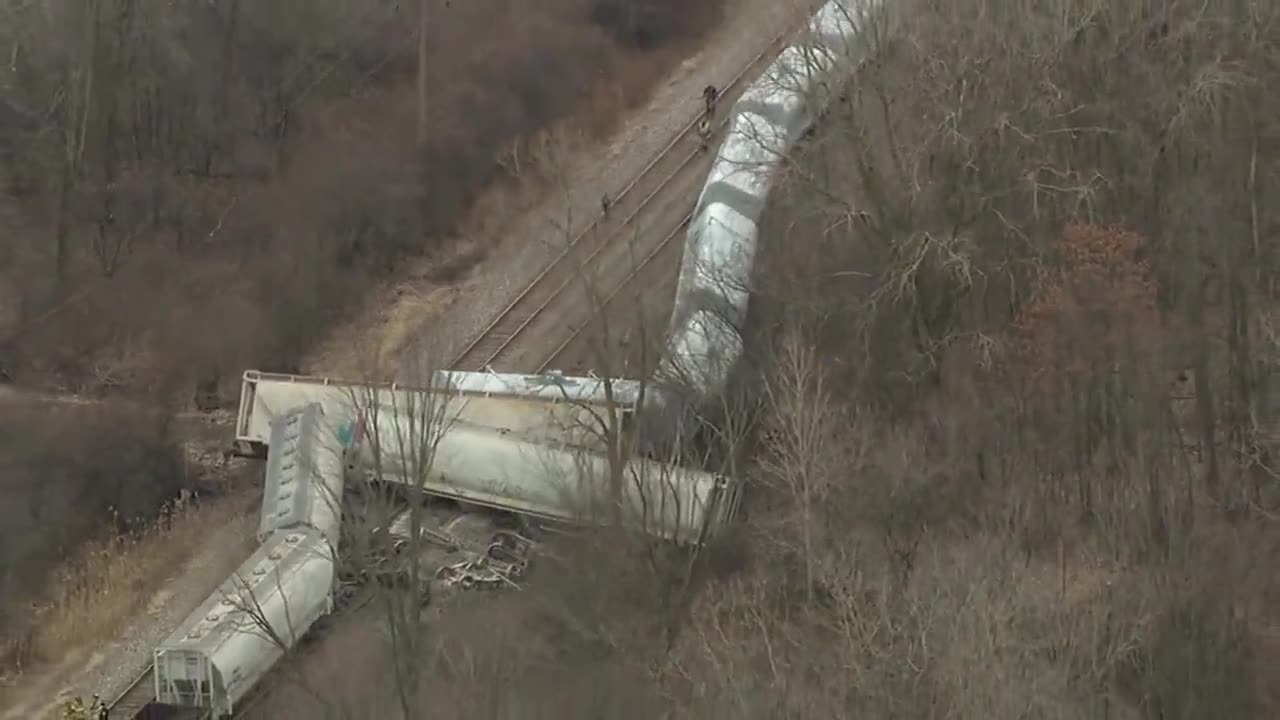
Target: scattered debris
x,y
504,561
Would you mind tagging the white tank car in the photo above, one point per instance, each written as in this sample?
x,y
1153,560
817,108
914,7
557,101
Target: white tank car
x,y
479,466
228,644
713,290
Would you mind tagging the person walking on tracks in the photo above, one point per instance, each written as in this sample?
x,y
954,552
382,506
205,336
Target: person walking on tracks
x,y
97,709
709,96
704,132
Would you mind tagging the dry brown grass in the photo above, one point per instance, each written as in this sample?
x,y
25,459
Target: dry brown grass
x,y
69,470
82,550
105,583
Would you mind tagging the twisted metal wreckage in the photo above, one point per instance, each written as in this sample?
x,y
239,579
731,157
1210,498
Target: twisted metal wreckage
x,y
518,443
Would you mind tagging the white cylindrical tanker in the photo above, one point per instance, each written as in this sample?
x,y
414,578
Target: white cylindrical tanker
x,y
230,642
479,466
713,289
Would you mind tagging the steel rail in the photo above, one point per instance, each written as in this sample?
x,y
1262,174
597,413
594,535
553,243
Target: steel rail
x,y
120,699
662,155
586,262
631,276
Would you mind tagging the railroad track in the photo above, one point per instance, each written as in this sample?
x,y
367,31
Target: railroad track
x,y
637,339
587,268
132,703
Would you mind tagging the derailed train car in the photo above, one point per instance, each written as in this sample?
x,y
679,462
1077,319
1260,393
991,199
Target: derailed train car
x,y
714,286
546,463
564,484
220,651
542,408
305,476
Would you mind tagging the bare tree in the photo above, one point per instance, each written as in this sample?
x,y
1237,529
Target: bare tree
x,y
402,433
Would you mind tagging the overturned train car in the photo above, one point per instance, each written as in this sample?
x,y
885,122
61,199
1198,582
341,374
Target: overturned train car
x,y
540,408
222,650
564,484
